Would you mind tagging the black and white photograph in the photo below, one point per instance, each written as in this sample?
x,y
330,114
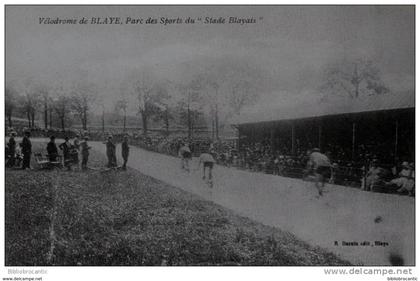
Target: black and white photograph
x,y
209,135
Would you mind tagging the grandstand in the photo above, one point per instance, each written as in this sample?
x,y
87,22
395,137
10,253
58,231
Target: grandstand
x,y
381,126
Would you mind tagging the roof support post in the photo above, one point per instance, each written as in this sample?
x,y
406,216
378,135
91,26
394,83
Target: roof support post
x,y
272,139
293,139
396,142
239,138
353,141
320,134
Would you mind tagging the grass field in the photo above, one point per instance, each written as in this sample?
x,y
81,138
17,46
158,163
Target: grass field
x,y
126,218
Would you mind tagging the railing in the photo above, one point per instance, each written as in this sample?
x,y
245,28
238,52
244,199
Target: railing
x,y
347,173
351,175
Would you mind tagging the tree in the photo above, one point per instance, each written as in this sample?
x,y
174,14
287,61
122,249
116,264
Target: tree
x,y
30,103
62,109
188,106
164,114
208,85
353,79
43,93
242,92
45,101
30,100
50,111
81,100
215,109
149,92
39,98
167,116
102,118
122,105
11,98
226,87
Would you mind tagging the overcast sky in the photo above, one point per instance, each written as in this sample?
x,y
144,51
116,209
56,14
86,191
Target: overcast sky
x,y
291,44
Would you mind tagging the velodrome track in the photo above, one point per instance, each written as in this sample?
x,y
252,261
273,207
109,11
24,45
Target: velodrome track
x,y
342,214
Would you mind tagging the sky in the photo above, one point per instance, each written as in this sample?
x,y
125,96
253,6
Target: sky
x,y
289,45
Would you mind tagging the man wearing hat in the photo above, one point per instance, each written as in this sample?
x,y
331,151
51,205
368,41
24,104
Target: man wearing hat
x,y
26,151
405,180
85,152
52,150
321,166
373,176
110,153
66,148
125,149
11,146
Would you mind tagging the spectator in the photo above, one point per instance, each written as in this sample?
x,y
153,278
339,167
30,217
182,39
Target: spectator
x,y
125,149
373,176
76,148
85,152
66,148
52,150
26,151
405,181
18,156
334,171
11,150
111,153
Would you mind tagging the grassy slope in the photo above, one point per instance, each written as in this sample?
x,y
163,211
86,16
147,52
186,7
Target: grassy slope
x,y
126,218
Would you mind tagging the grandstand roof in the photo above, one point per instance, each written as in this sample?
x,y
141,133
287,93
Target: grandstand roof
x,y
337,106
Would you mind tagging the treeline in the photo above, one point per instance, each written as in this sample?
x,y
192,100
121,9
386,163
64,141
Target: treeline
x,y
55,106
205,99
196,97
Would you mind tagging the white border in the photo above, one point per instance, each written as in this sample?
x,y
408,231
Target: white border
x,y
185,273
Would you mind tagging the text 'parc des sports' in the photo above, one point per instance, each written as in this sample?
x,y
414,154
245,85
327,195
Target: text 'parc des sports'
x,y
149,20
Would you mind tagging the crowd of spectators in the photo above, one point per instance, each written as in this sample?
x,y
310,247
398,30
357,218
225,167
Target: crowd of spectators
x,y
367,170
37,132
260,157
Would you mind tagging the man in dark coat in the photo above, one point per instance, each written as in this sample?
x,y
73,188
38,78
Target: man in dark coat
x,y
26,151
125,149
85,152
66,148
52,150
11,150
110,153
76,148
